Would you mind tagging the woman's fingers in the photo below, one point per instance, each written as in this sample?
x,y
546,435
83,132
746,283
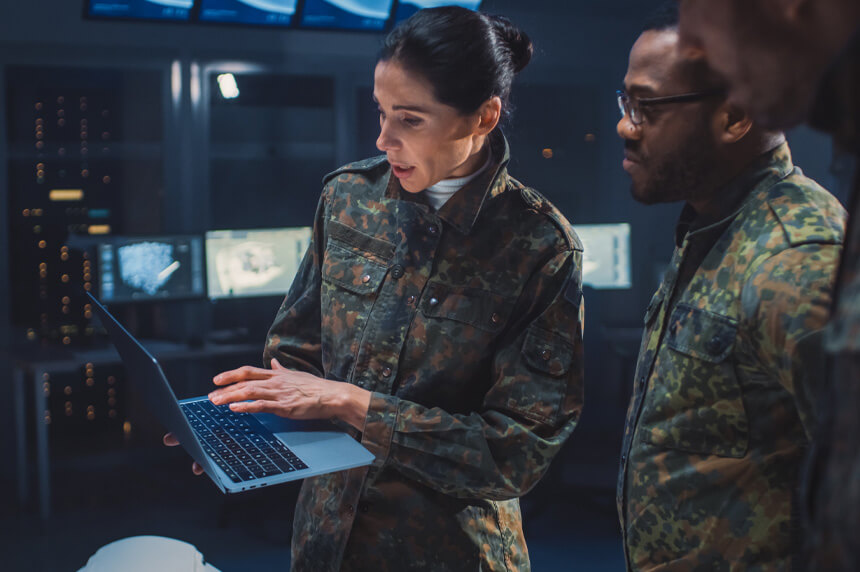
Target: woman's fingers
x,y
170,440
241,391
244,373
260,406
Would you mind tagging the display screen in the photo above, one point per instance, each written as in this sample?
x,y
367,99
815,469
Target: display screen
x,y
406,8
346,14
241,263
151,268
606,260
141,9
262,12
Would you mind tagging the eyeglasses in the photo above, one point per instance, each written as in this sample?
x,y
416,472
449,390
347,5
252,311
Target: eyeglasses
x,y
632,106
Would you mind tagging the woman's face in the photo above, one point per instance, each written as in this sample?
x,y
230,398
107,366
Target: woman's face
x,y
425,140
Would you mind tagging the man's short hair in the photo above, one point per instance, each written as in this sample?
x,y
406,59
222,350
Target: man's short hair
x,y
666,17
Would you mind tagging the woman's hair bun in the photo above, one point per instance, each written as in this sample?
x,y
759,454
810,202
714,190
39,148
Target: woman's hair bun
x,y
518,42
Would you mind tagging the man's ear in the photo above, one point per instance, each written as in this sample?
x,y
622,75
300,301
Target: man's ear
x,y
791,12
731,123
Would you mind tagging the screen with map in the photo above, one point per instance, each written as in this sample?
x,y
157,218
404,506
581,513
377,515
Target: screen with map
x,y
263,12
141,9
406,8
346,14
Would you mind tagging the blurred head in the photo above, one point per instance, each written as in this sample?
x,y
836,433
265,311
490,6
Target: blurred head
x,y
773,53
682,139
442,84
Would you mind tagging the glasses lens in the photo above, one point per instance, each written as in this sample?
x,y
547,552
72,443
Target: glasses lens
x,y
622,103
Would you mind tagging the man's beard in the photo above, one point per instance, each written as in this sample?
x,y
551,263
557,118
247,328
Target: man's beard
x,y
677,176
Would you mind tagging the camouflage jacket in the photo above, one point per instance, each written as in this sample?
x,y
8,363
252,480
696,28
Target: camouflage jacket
x,y
466,325
722,403
833,474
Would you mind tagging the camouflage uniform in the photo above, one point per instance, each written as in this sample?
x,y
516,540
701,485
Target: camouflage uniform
x,y
466,325
721,408
834,472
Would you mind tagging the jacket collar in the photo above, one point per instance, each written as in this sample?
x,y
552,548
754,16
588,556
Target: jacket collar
x,y
763,173
463,209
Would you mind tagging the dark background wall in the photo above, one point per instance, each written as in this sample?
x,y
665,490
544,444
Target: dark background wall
x,y
192,182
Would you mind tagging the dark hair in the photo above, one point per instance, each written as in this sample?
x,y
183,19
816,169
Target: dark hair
x,y
666,17
468,57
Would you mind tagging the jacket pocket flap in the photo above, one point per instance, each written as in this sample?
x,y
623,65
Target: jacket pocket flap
x,y
480,308
547,352
701,334
351,270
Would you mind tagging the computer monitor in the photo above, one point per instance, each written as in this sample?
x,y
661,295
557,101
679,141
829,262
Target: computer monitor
x,y
371,15
135,269
406,8
140,9
262,262
606,261
261,12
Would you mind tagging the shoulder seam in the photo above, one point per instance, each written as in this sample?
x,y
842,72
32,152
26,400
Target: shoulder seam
x,y
358,166
552,213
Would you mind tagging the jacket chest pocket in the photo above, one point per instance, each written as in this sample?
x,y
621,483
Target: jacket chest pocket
x,y
468,312
694,402
350,285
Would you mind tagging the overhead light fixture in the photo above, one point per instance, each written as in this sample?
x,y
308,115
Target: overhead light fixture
x,y
227,85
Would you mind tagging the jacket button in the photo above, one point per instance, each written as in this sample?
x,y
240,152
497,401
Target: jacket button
x,y
433,229
366,278
397,271
410,300
642,381
434,301
545,355
495,318
386,372
715,345
350,509
623,459
364,508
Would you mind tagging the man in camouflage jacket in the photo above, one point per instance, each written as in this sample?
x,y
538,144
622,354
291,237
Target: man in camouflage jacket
x,y
466,325
723,399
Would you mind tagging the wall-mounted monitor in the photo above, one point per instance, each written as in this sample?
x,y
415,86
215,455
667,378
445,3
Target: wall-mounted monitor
x,y
606,261
406,8
262,262
372,15
140,9
151,268
260,12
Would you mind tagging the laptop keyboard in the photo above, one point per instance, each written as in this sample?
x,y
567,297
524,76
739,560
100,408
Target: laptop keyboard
x,y
238,443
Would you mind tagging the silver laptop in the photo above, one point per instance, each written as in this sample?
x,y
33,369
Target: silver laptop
x,y
239,451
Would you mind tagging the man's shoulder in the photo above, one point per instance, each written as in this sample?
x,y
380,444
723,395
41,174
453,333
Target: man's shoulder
x,y
790,213
805,212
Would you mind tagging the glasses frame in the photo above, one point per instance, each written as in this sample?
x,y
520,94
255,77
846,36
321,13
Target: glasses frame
x,y
634,112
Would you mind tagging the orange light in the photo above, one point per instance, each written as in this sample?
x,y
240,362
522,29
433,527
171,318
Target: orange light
x,y
58,195
99,229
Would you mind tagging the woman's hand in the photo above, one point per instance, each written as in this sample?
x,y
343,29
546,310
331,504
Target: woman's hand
x,y
292,394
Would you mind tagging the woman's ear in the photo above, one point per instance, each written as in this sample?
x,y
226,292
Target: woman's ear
x,y
489,115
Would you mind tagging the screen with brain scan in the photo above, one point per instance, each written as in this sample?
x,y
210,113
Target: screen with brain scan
x,y
149,268
262,262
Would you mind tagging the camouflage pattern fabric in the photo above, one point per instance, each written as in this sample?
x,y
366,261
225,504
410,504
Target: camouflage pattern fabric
x,y
466,325
833,475
722,407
